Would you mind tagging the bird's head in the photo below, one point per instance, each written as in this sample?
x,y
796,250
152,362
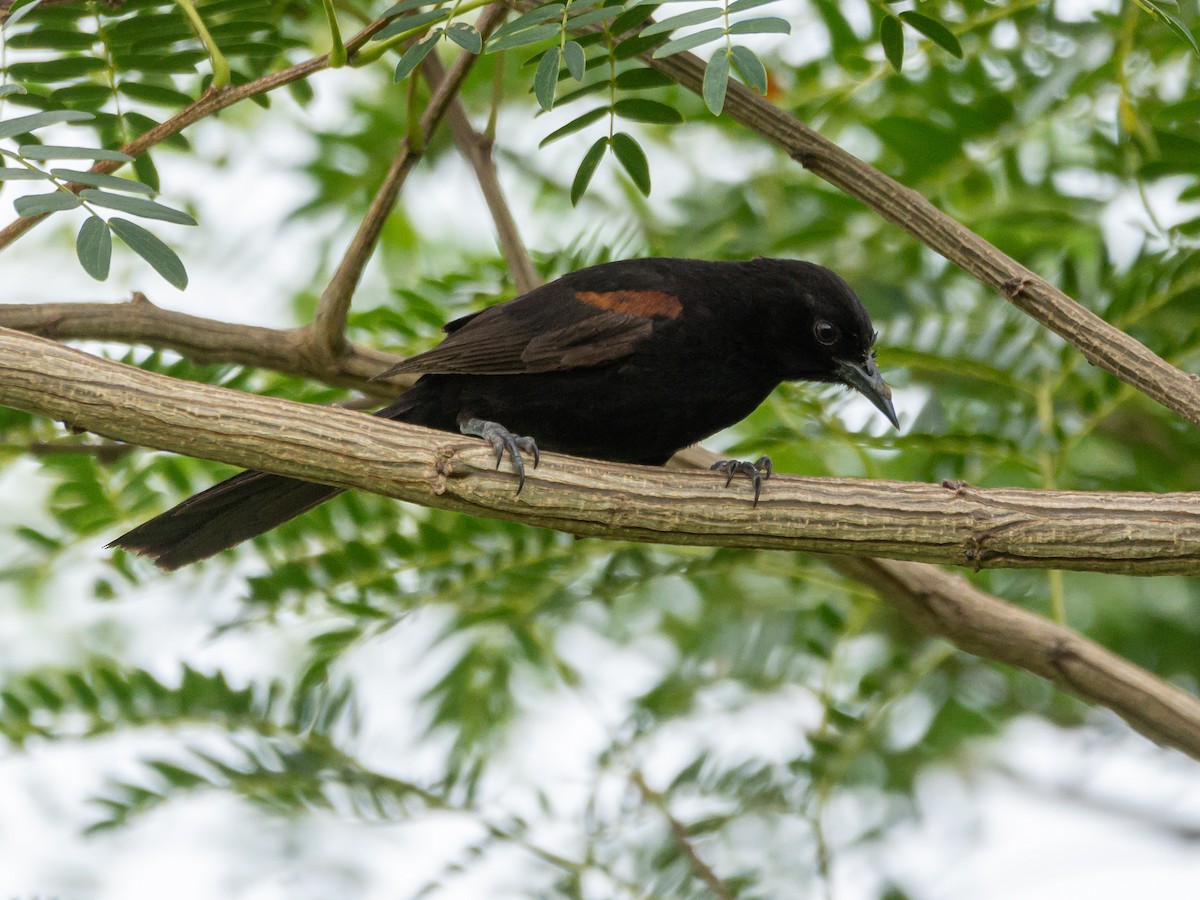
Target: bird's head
x,y
831,338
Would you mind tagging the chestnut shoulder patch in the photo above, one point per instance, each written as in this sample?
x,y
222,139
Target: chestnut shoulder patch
x,y
634,303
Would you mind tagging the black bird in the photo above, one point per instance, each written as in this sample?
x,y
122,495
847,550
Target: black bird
x,y
628,361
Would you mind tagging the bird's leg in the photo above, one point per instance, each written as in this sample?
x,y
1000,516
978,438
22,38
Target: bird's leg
x,y
758,471
502,439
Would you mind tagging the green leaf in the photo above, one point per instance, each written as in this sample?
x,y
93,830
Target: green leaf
x,y
6,89
576,124
750,67
529,19
593,88
49,151
161,257
95,179
22,174
414,55
935,31
52,39
575,60
742,5
546,78
411,23
466,36
26,124
632,18
640,79
594,17
587,168
406,6
695,17
94,247
716,82
637,109
1177,26
18,12
62,68
633,160
891,35
37,204
155,94
766,25
635,46
147,172
670,48
523,38
146,209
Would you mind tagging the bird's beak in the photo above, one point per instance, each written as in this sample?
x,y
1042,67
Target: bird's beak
x,y
864,377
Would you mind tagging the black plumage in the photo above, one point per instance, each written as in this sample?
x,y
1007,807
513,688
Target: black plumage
x,y
628,361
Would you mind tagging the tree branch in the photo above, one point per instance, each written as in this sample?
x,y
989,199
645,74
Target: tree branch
x,y
1132,533
947,605
477,148
329,325
138,321
1102,344
682,838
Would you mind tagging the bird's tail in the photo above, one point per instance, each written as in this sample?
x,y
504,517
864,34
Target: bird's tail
x,y
242,507
239,508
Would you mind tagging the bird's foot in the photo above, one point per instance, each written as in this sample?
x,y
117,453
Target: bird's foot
x,y
758,471
501,440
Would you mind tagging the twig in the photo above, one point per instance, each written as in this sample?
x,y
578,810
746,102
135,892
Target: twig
x,y
682,838
477,148
202,340
329,325
103,453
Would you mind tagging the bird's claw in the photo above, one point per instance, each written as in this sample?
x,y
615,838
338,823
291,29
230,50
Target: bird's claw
x,y
503,440
758,471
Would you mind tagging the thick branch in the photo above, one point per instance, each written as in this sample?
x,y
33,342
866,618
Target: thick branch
x,y
949,606
329,325
1132,533
1102,344
477,149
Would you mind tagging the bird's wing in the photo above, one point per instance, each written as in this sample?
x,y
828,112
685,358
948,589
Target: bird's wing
x,y
551,329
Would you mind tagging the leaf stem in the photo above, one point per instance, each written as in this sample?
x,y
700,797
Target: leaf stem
x,y
337,52
220,65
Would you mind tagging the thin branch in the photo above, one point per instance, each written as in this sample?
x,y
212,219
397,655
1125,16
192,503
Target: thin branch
x,y
682,838
106,452
949,606
1102,344
329,324
355,451
477,148
212,102
138,321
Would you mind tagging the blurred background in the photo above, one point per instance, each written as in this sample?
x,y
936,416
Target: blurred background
x,y
381,700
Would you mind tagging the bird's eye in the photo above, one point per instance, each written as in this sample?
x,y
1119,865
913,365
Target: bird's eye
x,y
826,332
